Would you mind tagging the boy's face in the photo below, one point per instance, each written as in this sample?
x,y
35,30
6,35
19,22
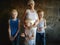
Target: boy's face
x,y
41,14
14,13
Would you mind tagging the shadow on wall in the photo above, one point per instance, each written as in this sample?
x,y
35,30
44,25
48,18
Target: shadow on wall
x,y
53,32
4,40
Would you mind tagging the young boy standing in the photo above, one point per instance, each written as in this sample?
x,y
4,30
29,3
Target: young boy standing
x,y
14,27
40,36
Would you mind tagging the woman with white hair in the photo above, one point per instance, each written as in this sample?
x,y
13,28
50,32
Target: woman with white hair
x,y
30,23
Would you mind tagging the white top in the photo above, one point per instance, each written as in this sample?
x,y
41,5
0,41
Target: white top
x,y
41,27
32,16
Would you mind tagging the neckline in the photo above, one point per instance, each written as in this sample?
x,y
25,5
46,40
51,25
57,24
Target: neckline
x,y
14,19
32,11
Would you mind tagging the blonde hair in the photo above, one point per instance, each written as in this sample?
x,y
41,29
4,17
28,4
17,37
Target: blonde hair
x,y
31,2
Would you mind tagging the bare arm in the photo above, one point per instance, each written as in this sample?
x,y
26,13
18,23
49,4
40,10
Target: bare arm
x,y
24,20
9,30
44,24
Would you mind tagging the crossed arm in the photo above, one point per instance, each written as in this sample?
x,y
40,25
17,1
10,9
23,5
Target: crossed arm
x,y
9,31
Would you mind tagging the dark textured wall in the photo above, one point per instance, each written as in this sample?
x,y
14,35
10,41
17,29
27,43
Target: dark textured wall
x,y
52,15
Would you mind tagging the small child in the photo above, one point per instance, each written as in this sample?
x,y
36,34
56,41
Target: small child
x,y
40,36
14,27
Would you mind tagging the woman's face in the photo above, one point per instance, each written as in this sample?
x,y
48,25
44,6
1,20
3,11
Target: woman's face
x,y
32,5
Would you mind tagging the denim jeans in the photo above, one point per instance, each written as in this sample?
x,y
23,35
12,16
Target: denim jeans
x,y
16,41
22,40
40,39
31,42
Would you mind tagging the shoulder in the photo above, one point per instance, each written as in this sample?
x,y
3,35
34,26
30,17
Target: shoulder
x,y
35,11
27,10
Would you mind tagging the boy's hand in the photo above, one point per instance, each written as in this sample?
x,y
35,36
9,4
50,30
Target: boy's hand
x,y
31,37
11,38
22,35
39,29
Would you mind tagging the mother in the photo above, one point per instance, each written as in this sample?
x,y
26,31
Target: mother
x,y
30,23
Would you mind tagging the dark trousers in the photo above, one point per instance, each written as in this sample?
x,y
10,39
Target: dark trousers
x,y
22,40
16,41
40,39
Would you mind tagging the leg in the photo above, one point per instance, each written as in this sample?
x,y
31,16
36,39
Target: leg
x,y
13,42
38,38
43,39
34,31
18,39
22,40
33,41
